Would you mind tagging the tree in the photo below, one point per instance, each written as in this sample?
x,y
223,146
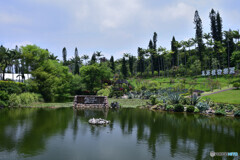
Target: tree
x,y
219,27
93,59
212,16
124,69
85,58
175,51
98,55
93,75
131,61
199,34
155,41
112,64
64,54
77,60
6,59
52,81
141,60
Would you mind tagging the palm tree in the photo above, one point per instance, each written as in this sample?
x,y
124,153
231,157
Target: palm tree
x,y
98,54
189,44
5,59
85,57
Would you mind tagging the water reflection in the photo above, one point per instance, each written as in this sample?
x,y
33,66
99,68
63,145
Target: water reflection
x,y
30,132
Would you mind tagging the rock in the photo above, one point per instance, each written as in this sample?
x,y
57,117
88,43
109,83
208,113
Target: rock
x,y
98,121
115,105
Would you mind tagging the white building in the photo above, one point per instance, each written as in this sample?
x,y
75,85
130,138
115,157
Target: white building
x,y
15,77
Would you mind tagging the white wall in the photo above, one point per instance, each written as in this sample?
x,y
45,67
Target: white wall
x,y
15,77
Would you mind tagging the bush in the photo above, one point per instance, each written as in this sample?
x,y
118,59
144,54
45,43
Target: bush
x,y
170,108
178,108
24,99
3,104
237,113
190,109
229,107
202,106
196,110
104,92
237,85
12,87
153,99
220,112
174,98
194,99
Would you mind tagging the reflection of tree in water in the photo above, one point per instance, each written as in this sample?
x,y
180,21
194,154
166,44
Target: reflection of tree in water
x,y
181,131
40,124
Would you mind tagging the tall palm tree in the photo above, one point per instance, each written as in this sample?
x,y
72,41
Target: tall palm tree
x,y
98,54
85,58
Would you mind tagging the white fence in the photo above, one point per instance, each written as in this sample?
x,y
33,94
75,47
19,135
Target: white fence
x,y
15,77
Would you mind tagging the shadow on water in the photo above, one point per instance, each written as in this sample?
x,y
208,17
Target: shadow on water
x,y
189,136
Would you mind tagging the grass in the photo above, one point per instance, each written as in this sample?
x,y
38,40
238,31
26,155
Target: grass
x,y
128,103
201,83
230,97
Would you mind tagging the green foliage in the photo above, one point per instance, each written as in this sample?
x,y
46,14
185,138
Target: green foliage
x,y
153,99
3,104
104,92
174,98
194,99
237,85
76,86
190,108
178,108
237,113
202,106
196,110
52,80
220,112
93,75
170,108
12,87
24,99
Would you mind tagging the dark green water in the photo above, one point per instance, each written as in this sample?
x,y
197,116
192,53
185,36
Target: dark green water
x,y
64,134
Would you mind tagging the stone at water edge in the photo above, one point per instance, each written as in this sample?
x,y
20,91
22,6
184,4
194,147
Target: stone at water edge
x,y
98,121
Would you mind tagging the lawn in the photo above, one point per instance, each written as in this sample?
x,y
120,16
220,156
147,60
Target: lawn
x,y
200,83
128,103
230,97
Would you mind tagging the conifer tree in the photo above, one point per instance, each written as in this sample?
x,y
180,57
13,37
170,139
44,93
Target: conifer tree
x,y
219,27
112,64
64,54
131,64
199,34
124,67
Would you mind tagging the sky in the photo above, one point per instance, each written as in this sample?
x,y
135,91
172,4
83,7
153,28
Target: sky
x,y
113,27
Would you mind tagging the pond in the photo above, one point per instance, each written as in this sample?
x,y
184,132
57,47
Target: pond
x,y
64,134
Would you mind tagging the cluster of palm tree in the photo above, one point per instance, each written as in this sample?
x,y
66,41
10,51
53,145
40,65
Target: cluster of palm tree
x,y
10,62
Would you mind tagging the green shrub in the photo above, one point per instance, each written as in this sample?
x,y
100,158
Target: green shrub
x,y
237,85
12,87
104,92
178,108
194,99
220,112
229,107
196,110
3,104
190,109
174,98
24,99
170,108
237,113
153,99
202,106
